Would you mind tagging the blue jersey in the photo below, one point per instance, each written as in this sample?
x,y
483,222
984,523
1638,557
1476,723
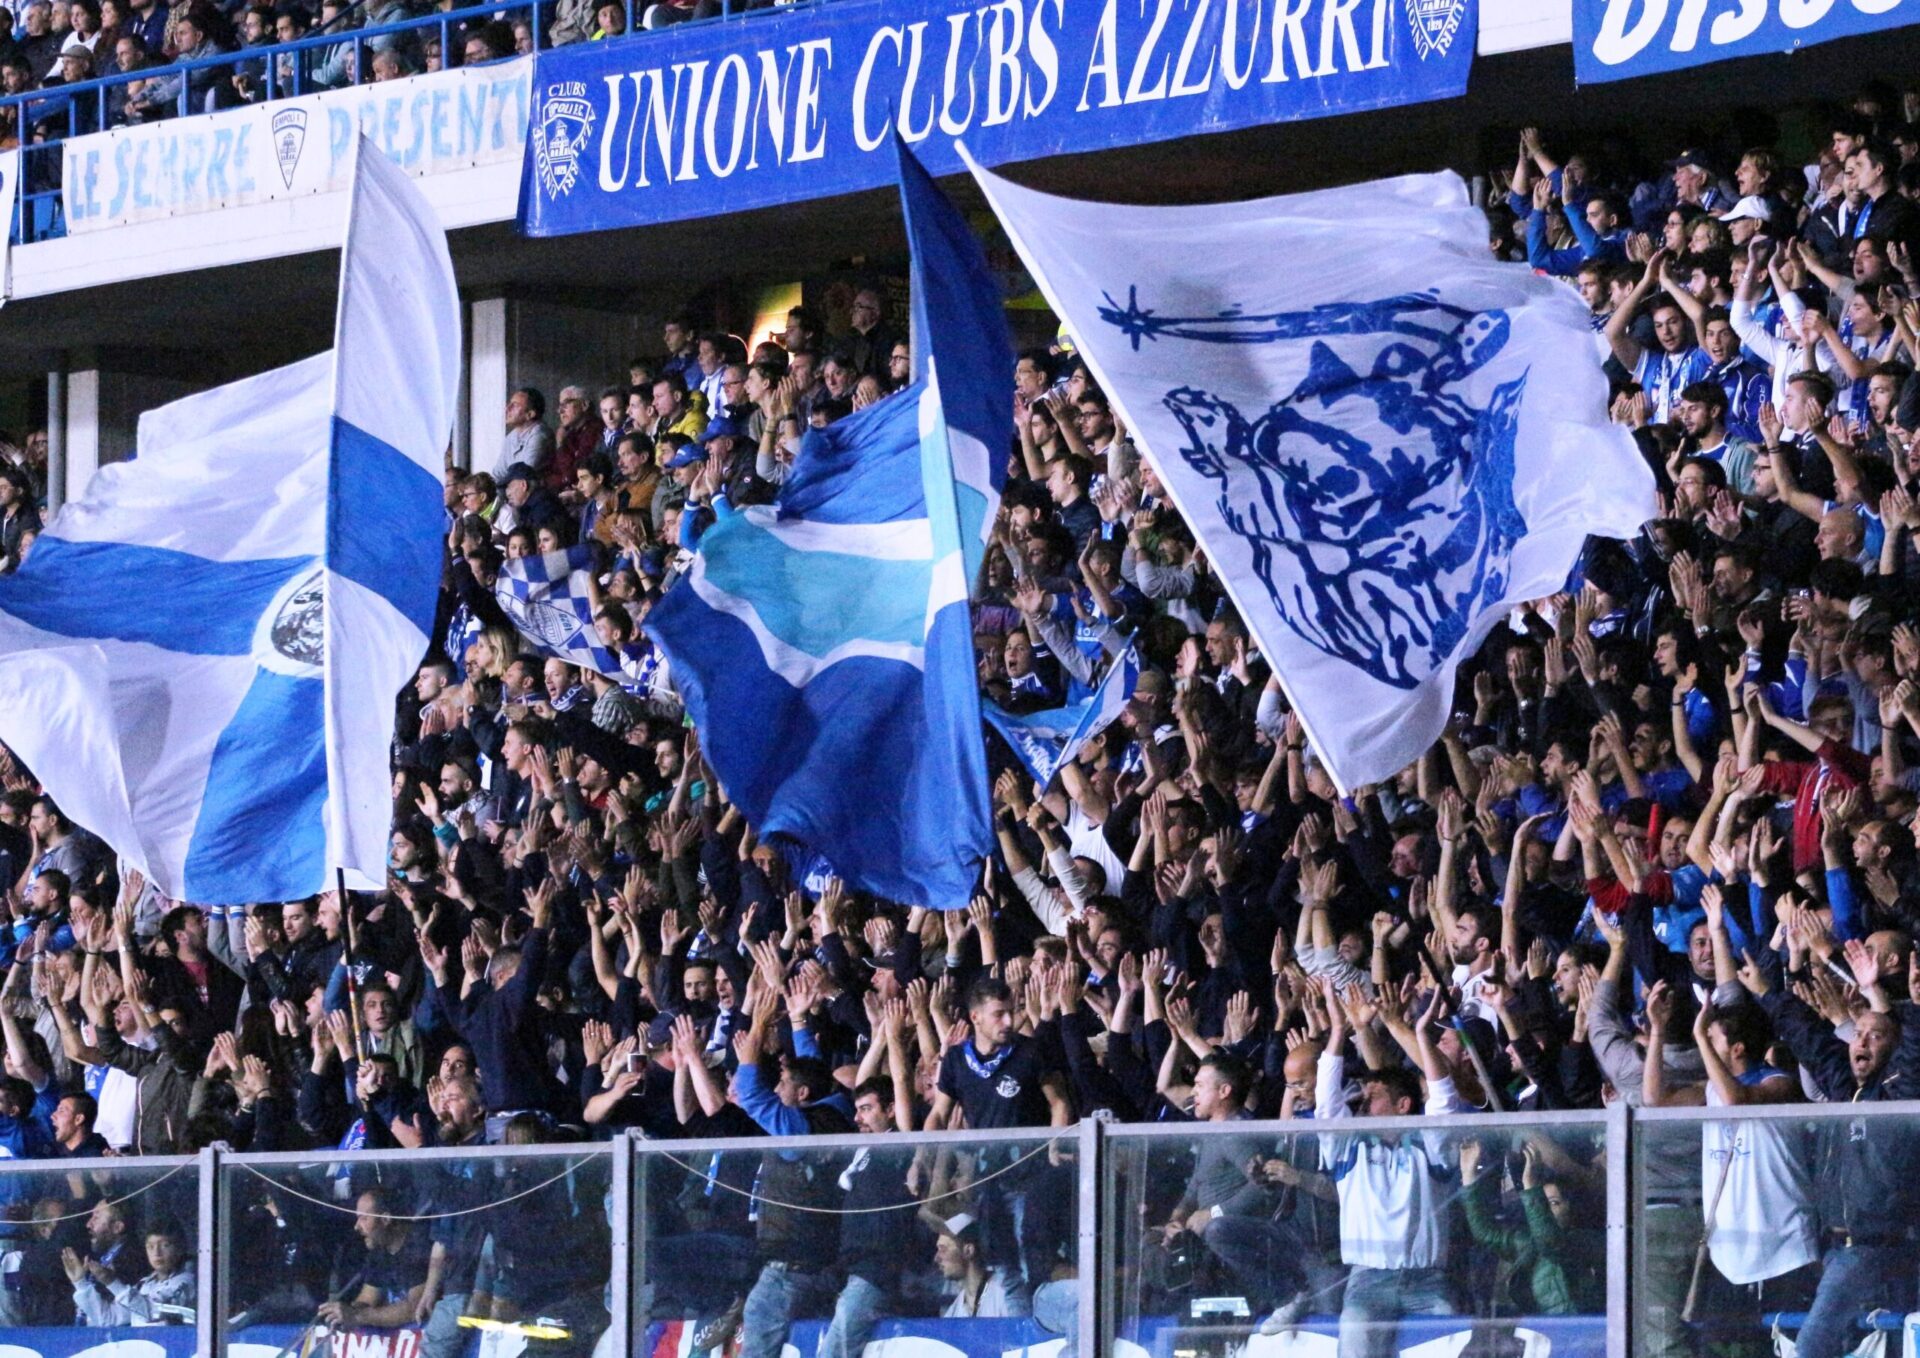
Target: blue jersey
x,y
1748,386
1663,376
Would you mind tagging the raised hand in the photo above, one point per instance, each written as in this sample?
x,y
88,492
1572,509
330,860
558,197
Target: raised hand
x,y
1240,1017
1864,964
540,902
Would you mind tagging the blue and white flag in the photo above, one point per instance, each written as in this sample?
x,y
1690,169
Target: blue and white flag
x,y
824,647
1381,435
549,597
959,329
1048,741
199,659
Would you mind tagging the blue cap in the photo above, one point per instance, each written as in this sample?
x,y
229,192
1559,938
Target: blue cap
x,y
723,427
686,457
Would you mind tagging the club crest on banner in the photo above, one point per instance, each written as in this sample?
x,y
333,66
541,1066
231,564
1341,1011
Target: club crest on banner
x,y
543,621
1435,24
291,637
560,134
1376,556
289,137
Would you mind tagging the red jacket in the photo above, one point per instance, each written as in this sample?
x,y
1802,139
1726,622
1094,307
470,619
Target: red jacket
x,y
571,448
1836,766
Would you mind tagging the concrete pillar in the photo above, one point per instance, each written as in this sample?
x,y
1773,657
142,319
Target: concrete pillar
x,y
56,438
83,430
486,382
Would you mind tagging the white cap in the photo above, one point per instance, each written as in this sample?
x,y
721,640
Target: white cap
x,y
1752,208
955,1225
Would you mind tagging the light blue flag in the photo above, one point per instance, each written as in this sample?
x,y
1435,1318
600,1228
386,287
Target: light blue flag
x,y
1048,741
199,659
823,643
825,654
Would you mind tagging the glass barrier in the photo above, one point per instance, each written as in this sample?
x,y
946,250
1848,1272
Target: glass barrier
x,y
94,1252
417,1252
828,1243
1766,1229
1365,1238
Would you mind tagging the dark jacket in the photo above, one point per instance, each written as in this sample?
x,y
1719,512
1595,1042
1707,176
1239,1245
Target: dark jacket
x,y
500,1026
1875,1163
166,1075
791,1181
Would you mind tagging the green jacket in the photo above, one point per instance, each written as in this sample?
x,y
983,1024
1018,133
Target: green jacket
x,y
1558,1270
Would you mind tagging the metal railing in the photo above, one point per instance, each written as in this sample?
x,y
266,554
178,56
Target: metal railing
x,y
601,1226
322,60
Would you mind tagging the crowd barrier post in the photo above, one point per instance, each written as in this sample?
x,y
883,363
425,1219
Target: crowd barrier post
x,y
210,1235
1092,1254
1619,1227
620,1285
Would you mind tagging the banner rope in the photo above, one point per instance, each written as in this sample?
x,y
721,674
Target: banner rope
x,y
111,1202
422,1216
855,1211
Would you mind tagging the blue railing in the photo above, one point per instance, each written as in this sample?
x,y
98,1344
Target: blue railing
x,y
319,61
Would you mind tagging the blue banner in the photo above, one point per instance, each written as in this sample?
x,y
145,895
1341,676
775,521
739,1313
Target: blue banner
x,y
930,1337
799,104
1618,39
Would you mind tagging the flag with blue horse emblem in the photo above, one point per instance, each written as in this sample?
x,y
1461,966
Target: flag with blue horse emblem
x,y
200,658
823,643
1381,435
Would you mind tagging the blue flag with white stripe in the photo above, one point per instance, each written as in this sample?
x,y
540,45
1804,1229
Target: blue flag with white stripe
x,y
549,597
823,643
199,659
1048,741
961,349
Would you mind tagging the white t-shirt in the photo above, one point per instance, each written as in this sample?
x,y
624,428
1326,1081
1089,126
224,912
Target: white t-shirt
x,y
1764,1224
119,1100
1085,840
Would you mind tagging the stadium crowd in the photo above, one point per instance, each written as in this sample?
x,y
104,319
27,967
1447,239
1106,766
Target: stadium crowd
x,y
1663,855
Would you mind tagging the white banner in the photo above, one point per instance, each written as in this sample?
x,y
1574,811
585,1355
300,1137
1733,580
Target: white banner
x,y
10,165
429,124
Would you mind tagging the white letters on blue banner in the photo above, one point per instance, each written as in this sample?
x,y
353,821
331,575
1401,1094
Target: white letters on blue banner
x,y
723,117
1616,39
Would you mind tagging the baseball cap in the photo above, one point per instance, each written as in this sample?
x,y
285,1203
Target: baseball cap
x,y
722,427
519,471
1693,156
686,457
1752,208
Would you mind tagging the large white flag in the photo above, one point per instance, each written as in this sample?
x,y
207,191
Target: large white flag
x,y
199,658
1380,434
